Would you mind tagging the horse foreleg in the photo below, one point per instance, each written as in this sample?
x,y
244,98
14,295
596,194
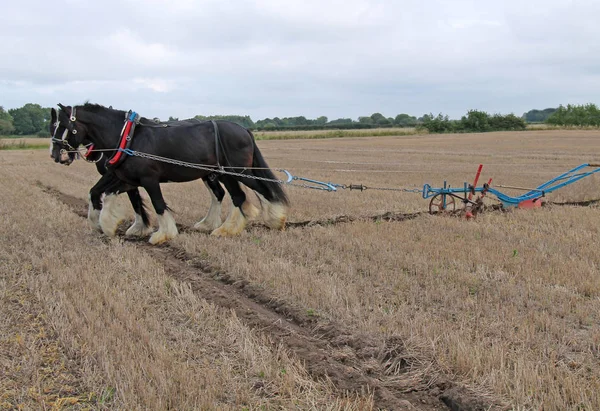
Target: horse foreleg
x,y
95,201
240,213
94,208
166,223
213,218
109,216
141,226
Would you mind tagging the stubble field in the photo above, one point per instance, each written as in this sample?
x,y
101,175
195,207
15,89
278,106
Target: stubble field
x,y
364,302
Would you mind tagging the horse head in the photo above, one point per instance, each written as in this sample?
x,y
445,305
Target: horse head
x,y
67,134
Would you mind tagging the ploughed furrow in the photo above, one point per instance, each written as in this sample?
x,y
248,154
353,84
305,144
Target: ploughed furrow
x,y
353,363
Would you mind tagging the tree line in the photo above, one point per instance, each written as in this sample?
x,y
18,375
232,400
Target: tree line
x,y
575,115
32,119
474,121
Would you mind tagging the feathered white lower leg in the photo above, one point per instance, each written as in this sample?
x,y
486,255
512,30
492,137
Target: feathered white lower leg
x,y
138,228
109,216
93,216
167,229
213,218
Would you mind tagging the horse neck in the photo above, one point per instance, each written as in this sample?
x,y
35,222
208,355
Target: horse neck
x,y
104,127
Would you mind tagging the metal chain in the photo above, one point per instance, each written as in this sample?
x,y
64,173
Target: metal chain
x,y
404,190
223,171
199,166
362,188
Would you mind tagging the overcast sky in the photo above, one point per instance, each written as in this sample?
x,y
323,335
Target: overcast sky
x,y
267,58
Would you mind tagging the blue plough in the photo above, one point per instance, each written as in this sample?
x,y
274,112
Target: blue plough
x,y
444,199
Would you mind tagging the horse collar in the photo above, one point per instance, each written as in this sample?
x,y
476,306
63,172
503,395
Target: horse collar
x,y
131,120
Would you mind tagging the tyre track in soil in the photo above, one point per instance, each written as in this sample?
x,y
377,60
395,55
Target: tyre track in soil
x,y
353,363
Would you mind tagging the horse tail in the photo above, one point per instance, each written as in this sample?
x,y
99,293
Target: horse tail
x,y
272,190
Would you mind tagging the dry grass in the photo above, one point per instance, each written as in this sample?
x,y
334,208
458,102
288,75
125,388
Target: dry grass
x,y
508,304
24,143
94,324
318,134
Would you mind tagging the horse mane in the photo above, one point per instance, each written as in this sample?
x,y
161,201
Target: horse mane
x,y
96,108
103,110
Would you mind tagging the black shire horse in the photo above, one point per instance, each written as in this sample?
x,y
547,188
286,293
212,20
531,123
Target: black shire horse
x,y
189,142
141,225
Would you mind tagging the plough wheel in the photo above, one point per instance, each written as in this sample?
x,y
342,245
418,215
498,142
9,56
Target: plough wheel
x,y
442,203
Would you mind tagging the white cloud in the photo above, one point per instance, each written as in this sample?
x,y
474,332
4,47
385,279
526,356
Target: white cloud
x,y
312,57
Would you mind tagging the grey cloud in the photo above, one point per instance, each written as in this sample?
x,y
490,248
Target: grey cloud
x,y
273,58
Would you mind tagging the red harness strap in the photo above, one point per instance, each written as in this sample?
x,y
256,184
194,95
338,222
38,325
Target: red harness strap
x,y
124,137
89,151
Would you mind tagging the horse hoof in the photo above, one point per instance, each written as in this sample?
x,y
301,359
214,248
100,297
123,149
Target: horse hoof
x,y
205,227
109,228
275,216
159,238
95,225
251,212
225,232
220,232
94,219
138,230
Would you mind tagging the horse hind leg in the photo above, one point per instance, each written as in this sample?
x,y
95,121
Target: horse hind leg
x,y
213,219
274,208
274,213
167,229
240,213
141,226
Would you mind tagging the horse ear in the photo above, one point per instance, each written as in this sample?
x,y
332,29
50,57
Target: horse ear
x,y
53,115
62,107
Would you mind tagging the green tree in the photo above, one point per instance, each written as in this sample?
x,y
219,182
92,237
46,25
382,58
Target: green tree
x,y
244,121
438,124
576,115
378,118
476,121
30,119
341,121
321,120
6,122
405,120
538,116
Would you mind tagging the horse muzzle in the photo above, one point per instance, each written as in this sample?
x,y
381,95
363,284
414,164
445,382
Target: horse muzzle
x,y
65,158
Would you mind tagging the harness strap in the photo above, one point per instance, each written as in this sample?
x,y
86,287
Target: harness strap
x,y
126,137
217,142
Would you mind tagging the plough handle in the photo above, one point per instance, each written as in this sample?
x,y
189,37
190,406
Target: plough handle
x,y
475,182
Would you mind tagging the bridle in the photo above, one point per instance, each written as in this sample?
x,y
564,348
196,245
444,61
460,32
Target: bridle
x,y
64,142
63,139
